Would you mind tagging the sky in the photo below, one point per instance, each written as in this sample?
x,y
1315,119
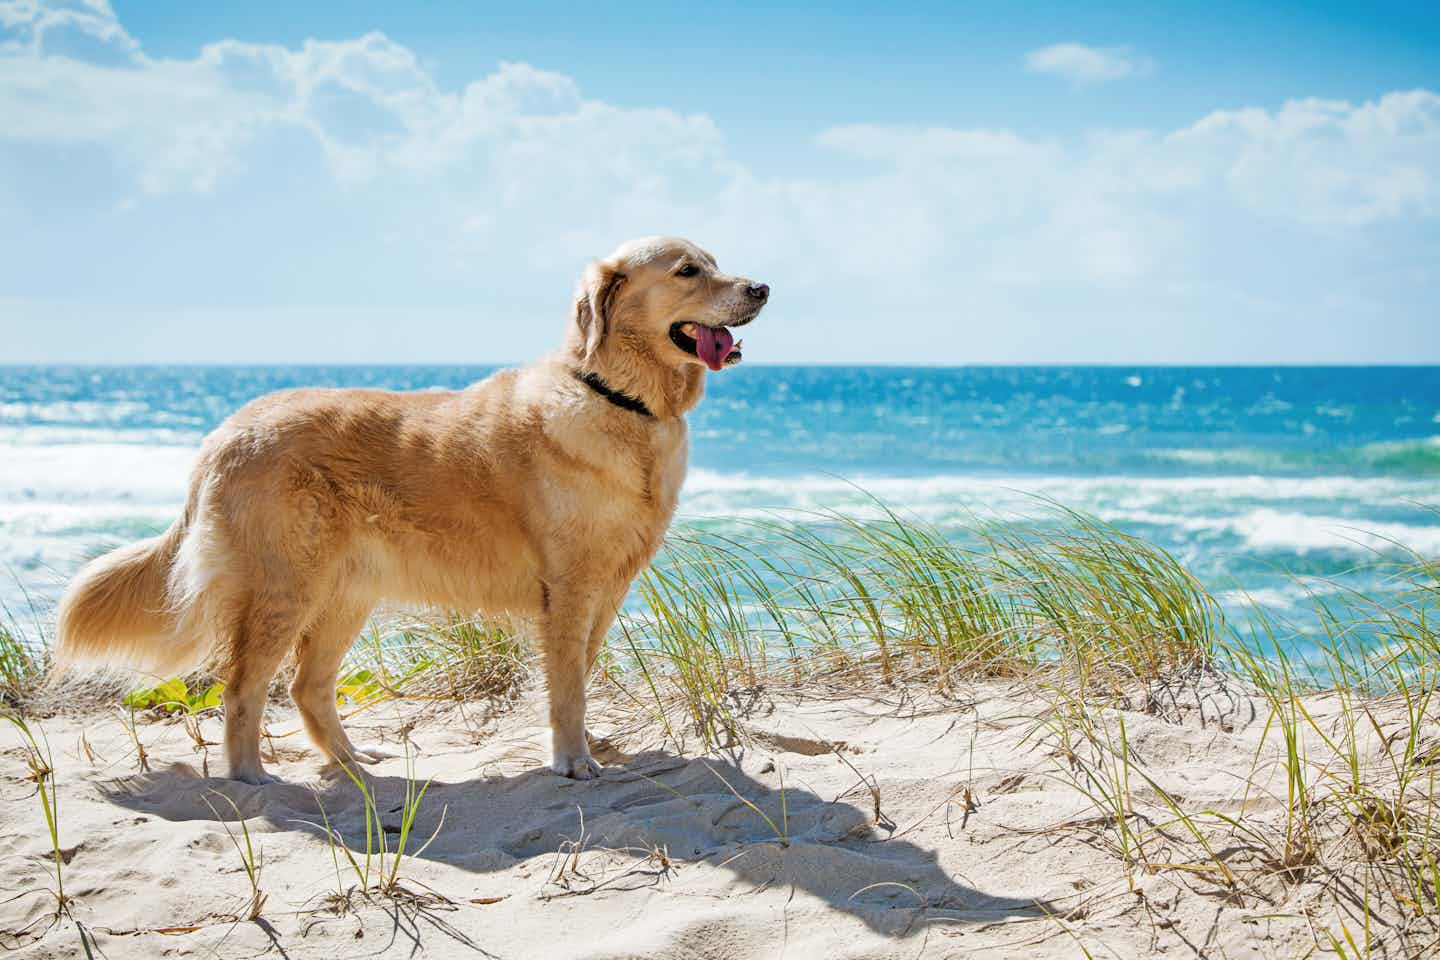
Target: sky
x,y
935,183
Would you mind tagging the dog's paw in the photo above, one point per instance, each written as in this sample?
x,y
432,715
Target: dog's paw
x,y
256,777
372,755
580,766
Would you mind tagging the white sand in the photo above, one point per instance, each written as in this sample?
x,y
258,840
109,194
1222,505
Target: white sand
x,y
146,853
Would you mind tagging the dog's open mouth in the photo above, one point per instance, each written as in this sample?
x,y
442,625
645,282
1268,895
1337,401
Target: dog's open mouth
x,y
716,347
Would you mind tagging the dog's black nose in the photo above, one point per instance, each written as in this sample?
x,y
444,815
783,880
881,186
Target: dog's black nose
x,y
759,291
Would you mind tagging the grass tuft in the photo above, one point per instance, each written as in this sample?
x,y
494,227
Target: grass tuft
x,y
721,618
437,656
251,858
23,665
41,764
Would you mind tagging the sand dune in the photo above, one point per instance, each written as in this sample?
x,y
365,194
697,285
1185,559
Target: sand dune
x,y
976,846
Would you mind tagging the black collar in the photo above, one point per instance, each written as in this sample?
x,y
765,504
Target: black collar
x,y
622,400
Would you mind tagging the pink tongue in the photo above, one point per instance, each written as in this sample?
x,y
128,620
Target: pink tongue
x,y
713,344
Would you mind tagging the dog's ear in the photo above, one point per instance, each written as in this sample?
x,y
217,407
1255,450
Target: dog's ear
x,y
593,302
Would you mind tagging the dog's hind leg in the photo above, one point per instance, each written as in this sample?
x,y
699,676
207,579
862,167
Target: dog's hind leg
x,y
264,633
318,655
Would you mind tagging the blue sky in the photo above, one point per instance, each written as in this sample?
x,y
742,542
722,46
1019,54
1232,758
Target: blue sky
x,y
940,183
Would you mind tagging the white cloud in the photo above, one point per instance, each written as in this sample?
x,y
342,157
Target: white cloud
x,y
341,171
373,111
1084,65
1327,162
38,24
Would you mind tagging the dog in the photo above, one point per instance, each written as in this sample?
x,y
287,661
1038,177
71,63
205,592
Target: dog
x,y
540,492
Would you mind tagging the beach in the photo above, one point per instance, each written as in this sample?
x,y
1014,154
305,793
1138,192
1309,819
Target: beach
x,y
890,823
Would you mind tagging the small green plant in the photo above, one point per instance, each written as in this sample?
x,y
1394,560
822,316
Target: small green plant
x,y
174,696
22,665
1275,679
360,687
252,859
197,738
41,764
378,868
142,756
1091,763
1345,945
781,829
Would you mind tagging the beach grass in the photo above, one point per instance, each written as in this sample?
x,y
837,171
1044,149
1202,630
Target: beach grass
x,y
23,663
40,770
377,868
811,601
252,857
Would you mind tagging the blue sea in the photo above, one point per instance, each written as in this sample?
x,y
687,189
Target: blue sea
x,y
1256,477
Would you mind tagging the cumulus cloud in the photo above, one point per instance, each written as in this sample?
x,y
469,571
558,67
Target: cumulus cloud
x,y
34,25
342,170
373,111
1327,162
1084,65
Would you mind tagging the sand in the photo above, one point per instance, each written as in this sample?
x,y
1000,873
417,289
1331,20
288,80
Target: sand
x,y
978,846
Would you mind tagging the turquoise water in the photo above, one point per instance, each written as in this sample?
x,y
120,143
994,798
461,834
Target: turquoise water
x,y
1246,474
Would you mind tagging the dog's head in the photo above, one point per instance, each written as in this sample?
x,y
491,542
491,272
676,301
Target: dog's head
x,y
664,297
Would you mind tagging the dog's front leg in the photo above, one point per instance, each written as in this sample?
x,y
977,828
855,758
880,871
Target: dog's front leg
x,y
564,641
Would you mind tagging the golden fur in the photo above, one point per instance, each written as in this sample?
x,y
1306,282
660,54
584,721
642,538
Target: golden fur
x,y
527,493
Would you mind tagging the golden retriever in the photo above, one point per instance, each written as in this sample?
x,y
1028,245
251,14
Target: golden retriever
x,y
539,492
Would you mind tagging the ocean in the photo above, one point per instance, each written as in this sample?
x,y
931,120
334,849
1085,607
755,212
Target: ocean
x,y
1263,480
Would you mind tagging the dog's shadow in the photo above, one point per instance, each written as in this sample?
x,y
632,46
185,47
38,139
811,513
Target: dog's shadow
x,y
656,809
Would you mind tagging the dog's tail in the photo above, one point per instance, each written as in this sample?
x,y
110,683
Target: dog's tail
x,y
118,611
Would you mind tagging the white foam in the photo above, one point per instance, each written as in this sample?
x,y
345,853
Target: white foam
x,y
94,472
1137,490
1261,513
1272,598
1275,529
49,517
49,434
71,411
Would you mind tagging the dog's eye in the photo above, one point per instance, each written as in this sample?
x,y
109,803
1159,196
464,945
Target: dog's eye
x,y
689,270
